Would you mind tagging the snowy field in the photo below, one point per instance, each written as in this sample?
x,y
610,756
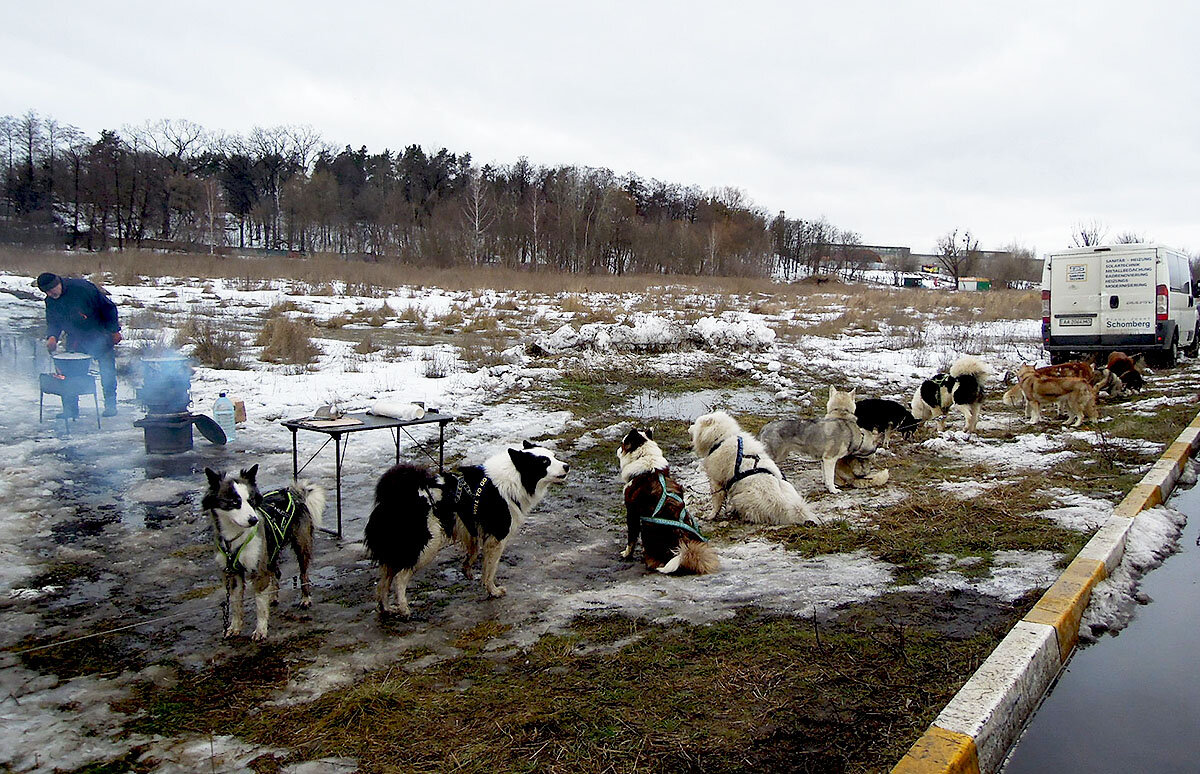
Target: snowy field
x,y
99,535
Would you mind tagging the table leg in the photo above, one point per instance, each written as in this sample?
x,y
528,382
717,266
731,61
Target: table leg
x,y
337,451
295,460
441,446
397,431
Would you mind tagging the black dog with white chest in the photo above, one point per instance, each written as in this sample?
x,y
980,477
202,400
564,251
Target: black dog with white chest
x,y
885,416
251,529
418,512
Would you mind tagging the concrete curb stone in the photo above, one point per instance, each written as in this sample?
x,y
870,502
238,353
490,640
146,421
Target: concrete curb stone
x,y
974,732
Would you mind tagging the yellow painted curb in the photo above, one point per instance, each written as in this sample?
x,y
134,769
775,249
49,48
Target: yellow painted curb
x,y
1140,498
1179,452
1063,603
940,750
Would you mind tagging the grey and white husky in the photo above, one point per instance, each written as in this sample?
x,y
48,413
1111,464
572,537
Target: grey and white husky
x,y
829,439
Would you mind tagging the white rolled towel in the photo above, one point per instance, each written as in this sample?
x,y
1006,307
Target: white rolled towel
x,y
397,410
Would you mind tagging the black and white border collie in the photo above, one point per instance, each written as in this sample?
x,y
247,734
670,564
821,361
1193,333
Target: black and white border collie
x,y
250,530
655,511
962,387
418,512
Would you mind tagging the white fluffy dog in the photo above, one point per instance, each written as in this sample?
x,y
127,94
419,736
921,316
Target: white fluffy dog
x,y
743,475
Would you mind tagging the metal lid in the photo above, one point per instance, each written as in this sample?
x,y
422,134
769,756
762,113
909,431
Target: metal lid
x,y
209,428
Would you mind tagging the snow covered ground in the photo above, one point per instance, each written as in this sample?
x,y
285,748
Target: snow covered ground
x,y
94,500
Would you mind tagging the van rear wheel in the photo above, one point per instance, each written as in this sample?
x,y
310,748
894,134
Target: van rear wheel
x,y
1170,355
1193,349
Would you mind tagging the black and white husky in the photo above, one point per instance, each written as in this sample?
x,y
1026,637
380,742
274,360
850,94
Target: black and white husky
x,y
251,529
418,512
962,387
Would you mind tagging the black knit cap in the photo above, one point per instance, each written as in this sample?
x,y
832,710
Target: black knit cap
x,y
47,280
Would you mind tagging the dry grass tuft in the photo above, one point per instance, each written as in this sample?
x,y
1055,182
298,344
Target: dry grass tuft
x,y
210,344
288,341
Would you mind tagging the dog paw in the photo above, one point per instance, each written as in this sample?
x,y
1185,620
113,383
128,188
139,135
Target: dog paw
x,y
306,602
259,635
497,591
627,552
232,632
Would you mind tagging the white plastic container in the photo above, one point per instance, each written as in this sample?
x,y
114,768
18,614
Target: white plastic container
x,y
224,413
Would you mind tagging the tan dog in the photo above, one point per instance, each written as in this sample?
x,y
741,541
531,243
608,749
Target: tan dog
x,y
1078,369
857,472
1078,395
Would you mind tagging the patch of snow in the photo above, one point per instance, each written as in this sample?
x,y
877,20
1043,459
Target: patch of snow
x,y
1014,574
1153,536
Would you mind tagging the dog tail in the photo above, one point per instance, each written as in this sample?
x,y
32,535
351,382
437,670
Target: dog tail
x,y
313,497
1013,396
694,557
972,366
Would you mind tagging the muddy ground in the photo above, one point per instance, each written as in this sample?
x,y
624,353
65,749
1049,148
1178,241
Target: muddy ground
x,y
113,658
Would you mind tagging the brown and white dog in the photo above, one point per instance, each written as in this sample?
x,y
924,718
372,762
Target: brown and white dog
x,y
655,511
1077,394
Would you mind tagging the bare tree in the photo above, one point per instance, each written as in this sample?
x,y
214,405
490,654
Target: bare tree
x,y
1130,238
478,212
956,254
1088,234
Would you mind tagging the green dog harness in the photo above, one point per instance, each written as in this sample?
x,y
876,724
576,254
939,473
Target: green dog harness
x,y
278,520
683,514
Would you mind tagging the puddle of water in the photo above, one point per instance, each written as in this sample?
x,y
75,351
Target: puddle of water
x,y
1129,703
651,404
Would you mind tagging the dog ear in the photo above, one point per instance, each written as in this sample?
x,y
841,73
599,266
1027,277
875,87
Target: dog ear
x,y
250,473
852,391
528,445
214,478
650,433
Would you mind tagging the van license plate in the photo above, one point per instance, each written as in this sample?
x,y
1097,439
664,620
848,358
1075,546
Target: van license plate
x,y
1075,321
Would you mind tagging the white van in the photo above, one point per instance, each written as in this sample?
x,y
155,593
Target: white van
x,y
1135,298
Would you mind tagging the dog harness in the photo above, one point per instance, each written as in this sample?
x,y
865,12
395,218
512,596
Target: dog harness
x,y
684,521
278,520
476,496
738,473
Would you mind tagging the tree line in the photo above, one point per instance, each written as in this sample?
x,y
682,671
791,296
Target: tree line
x,y
285,188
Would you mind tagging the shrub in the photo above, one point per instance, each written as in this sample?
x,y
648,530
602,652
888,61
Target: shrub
x,y
212,345
437,364
366,346
288,341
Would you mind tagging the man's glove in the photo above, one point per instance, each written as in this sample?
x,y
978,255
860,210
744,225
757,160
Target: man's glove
x,y
117,337
51,344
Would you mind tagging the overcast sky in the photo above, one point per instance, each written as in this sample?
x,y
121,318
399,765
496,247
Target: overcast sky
x,y
897,120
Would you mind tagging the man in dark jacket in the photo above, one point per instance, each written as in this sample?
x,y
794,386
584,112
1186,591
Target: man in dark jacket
x,y
88,317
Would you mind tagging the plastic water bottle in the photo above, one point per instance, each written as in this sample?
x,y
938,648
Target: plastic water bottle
x,y
225,415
